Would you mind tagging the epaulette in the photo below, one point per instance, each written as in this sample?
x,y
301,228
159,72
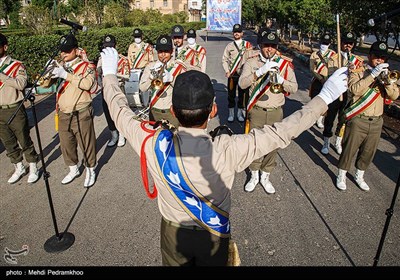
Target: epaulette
x,y
252,53
286,58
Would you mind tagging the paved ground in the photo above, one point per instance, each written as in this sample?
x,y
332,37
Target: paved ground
x,y
308,222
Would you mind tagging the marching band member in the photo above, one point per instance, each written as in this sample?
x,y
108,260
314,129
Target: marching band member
x,y
232,62
368,91
265,105
123,71
139,53
199,59
15,136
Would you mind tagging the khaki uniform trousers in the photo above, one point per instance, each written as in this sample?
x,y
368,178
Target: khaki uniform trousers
x,y
258,118
15,136
191,246
362,134
77,128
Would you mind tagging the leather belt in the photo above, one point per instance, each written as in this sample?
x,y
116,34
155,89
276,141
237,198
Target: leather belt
x,y
10,106
160,110
266,109
370,118
182,226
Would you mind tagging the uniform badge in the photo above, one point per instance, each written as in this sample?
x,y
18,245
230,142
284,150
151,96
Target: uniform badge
x,y
382,46
349,35
163,41
108,39
326,37
177,29
271,36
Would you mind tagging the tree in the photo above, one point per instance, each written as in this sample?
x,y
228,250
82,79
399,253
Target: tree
x,y
37,20
9,10
115,14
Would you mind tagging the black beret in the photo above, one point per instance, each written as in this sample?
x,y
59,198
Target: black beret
x,y
237,28
68,42
137,32
164,43
3,40
269,37
191,33
325,39
177,30
192,90
379,48
349,37
109,41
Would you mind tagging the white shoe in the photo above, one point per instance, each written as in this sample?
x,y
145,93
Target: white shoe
x,y
341,180
90,177
121,140
268,187
73,173
320,122
18,173
240,115
33,173
325,147
338,145
252,183
114,138
231,114
360,180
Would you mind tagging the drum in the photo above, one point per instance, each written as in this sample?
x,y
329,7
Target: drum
x,y
132,88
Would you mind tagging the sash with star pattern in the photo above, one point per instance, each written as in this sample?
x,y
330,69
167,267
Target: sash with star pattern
x,y
172,171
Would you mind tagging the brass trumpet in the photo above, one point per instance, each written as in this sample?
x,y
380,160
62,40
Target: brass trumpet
x,y
390,77
157,82
273,79
45,79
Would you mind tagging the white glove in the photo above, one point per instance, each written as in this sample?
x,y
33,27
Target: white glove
x,y
379,69
266,67
109,61
167,77
334,86
280,79
59,72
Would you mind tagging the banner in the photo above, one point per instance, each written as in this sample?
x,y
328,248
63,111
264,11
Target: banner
x,y
223,14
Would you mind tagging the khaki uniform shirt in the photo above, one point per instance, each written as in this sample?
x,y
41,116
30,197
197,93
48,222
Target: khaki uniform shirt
x,y
269,99
359,82
77,96
314,62
165,100
134,49
230,53
12,90
210,165
333,63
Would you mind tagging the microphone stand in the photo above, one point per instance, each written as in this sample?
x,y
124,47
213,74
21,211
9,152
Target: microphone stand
x,y
58,242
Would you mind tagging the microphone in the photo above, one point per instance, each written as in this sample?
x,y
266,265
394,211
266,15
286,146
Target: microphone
x,y
383,17
73,25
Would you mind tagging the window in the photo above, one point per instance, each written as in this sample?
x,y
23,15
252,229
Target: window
x,y
194,4
165,3
138,4
151,3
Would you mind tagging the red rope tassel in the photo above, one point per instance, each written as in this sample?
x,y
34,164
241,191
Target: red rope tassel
x,y
143,164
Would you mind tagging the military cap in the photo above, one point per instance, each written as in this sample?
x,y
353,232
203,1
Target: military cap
x,y
192,90
325,39
237,28
349,37
177,30
68,42
191,33
137,32
269,37
379,48
109,41
164,43
3,40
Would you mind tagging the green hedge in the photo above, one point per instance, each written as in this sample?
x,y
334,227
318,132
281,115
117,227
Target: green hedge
x,y
34,51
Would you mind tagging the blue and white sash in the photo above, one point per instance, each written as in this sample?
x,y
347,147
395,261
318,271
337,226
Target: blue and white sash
x,y
171,169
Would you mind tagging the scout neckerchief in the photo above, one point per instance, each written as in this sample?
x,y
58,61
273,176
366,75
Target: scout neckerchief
x,y
196,59
321,64
10,70
156,93
263,84
172,172
362,103
236,62
145,49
